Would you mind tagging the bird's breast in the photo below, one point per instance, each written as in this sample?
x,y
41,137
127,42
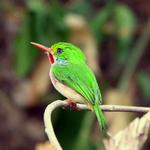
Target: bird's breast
x,y
65,90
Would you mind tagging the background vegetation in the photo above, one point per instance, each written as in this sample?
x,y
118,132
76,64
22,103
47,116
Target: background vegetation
x,y
114,35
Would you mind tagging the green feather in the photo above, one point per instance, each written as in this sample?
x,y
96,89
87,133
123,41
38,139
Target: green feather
x,y
100,116
80,78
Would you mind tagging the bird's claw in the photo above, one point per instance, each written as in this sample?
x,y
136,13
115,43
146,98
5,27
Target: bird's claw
x,y
71,105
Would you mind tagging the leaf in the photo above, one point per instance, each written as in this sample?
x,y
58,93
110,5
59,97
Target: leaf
x,y
143,80
82,141
22,53
42,25
81,7
125,25
132,137
98,23
55,28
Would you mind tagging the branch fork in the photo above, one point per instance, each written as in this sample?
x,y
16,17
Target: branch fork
x,y
59,103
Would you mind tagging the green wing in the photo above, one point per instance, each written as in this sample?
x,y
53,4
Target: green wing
x,y
80,78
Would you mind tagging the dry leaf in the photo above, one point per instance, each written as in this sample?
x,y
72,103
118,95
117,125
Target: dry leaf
x,y
131,138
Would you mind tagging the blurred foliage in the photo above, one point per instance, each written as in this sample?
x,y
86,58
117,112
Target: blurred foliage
x,y
125,25
82,7
119,21
99,22
42,24
144,84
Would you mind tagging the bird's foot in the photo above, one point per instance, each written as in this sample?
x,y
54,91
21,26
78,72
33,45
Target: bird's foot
x,y
71,105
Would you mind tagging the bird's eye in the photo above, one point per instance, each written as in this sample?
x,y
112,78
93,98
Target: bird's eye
x,y
59,50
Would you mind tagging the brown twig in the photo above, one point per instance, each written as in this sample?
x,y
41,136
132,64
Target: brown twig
x,y
59,103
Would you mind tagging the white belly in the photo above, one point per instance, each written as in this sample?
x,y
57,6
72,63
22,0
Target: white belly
x,y
65,90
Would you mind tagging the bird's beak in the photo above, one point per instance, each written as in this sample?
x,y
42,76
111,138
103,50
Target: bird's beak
x,y
45,49
40,46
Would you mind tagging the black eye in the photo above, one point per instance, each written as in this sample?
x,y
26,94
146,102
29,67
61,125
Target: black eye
x,y
59,50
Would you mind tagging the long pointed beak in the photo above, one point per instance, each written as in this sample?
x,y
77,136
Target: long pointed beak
x,y
45,49
42,47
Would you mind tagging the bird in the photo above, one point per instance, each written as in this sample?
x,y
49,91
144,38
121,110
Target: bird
x,y
72,77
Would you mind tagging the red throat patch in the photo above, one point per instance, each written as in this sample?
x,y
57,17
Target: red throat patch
x,y
50,58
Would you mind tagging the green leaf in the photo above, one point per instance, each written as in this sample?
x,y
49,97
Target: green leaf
x,y
83,139
25,54
125,25
98,23
56,28
22,40
82,7
43,24
143,81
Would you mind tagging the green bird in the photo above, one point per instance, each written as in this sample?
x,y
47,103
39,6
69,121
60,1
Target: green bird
x,y
72,77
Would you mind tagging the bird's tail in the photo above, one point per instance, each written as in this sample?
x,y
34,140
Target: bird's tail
x,y
100,116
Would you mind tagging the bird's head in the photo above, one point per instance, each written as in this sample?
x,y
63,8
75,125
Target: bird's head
x,y
62,51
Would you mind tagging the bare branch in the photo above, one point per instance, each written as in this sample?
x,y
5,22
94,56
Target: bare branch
x,y
48,123
59,103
